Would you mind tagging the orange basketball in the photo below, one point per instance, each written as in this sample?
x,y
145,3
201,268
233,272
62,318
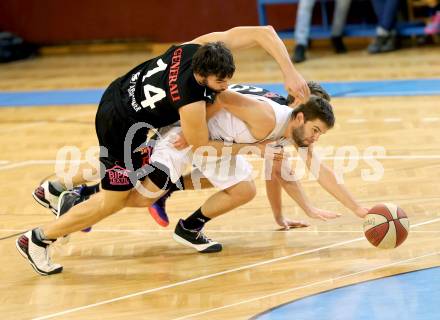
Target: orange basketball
x,y
386,226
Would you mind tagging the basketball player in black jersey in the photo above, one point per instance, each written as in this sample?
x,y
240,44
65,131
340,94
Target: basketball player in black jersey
x,y
175,85
260,124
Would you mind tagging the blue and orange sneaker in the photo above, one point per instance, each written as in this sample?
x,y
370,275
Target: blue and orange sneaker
x,y
158,211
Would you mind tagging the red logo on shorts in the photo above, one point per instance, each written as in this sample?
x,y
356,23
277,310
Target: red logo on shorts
x,y
146,155
118,176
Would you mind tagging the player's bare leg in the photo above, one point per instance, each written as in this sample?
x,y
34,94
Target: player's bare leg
x,y
157,210
47,194
34,245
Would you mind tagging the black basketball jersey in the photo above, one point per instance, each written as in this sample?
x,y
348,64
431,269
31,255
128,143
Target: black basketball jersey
x,y
245,89
154,91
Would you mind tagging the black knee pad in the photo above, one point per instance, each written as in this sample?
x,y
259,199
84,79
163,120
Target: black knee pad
x,y
160,176
179,185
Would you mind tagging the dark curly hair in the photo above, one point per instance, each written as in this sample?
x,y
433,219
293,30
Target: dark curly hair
x,y
316,108
214,58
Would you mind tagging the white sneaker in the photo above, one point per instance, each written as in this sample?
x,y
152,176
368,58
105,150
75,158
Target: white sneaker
x,y
47,196
37,253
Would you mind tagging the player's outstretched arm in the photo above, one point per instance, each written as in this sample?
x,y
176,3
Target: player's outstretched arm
x,y
295,191
327,179
273,192
267,38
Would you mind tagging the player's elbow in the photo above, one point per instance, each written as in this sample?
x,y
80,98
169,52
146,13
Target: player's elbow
x,y
269,30
260,33
196,136
198,143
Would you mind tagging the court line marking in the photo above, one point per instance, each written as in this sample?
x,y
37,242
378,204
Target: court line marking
x,y
430,119
39,123
76,115
22,126
394,157
213,275
36,162
295,230
62,119
392,119
329,280
356,120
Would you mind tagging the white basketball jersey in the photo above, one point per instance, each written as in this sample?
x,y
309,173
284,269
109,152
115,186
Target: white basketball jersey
x,y
225,126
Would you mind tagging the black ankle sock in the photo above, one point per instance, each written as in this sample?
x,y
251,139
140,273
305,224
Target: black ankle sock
x,y
56,188
196,221
40,239
179,185
89,190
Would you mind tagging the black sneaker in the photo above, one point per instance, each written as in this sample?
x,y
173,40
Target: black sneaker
x,y
383,44
69,199
195,239
338,45
300,53
37,253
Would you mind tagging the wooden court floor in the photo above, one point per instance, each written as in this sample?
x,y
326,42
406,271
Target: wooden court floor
x,y
130,268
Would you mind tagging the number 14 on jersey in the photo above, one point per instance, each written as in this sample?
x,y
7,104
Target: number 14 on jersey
x,y
158,93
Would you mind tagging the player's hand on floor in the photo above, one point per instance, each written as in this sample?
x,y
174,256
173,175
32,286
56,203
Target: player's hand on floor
x,y
322,214
361,212
287,223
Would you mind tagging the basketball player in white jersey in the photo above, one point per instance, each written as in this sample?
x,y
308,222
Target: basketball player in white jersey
x,y
267,117
270,121
301,127
274,116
